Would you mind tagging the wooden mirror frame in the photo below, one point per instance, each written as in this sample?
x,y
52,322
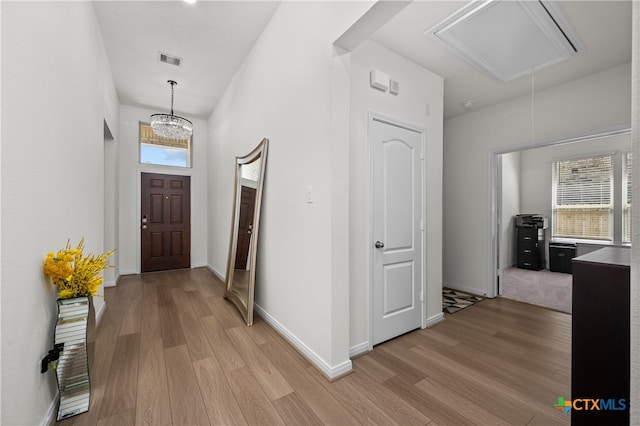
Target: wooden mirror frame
x,y
233,293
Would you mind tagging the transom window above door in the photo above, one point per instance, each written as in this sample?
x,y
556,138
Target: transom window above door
x,y
161,151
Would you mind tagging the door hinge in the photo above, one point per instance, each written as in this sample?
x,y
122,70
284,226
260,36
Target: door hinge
x,y
422,296
422,225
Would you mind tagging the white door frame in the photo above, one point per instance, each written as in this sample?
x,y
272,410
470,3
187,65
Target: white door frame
x,y
495,184
374,116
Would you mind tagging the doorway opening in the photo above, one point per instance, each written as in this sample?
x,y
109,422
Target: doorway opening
x,y
521,183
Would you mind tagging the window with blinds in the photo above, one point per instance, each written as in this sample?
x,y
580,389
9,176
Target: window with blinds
x,y
155,149
626,199
582,198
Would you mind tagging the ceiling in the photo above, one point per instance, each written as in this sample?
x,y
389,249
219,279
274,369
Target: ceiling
x,y
603,26
214,37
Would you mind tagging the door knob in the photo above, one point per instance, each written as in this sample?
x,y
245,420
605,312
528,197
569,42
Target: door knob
x,y
379,244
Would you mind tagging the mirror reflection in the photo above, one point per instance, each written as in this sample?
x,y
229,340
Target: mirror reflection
x,y
240,281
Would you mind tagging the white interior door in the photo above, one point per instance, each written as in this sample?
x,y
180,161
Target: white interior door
x,y
397,235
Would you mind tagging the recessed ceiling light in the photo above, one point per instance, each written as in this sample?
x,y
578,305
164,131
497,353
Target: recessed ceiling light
x,y
508,39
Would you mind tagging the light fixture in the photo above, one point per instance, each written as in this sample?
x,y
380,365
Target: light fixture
x,y
171,126
508,39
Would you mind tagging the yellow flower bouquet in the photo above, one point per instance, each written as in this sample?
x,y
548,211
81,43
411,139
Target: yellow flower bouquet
x,y
75,274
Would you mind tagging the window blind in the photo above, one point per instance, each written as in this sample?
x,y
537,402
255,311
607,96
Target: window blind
x,y
626,197
251,171
582,198
149,138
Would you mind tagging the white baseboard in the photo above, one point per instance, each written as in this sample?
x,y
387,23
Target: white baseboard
x,y
199,265
110,283
216,273
359,349
50,417
331,372
474,291
113,282
100,313
431,321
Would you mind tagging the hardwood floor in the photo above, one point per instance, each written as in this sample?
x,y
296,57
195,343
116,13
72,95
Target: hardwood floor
x,y
171,351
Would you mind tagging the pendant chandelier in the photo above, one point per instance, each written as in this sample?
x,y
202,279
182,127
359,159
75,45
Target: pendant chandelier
x,y
171,126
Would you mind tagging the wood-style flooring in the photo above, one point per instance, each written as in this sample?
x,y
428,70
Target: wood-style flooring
x,y
171,351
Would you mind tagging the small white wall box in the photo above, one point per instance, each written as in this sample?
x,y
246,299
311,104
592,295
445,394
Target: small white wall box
x,y
379,80
394,87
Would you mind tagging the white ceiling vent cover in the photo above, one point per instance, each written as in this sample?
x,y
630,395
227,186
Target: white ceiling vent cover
x,y
169,59
508,39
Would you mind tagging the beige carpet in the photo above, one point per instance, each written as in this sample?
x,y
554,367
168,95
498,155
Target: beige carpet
x,y
543,288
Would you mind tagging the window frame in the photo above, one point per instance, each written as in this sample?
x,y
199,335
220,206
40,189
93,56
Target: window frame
x,y
611,237
188,149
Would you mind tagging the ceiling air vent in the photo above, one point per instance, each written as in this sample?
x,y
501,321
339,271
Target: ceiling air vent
x,y
508,39
168,59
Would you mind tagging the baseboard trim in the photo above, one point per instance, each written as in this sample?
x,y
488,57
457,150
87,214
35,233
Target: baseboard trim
x,y
359,349
438,318
216,273
50,417
100,313
331,372
113,282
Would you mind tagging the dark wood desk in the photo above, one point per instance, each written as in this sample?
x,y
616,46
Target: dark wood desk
x,y
600,362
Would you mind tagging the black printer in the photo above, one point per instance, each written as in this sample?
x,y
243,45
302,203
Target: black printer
x,y
531,221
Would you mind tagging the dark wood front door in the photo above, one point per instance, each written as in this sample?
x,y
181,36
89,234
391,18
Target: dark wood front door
x,y
245,225
165,222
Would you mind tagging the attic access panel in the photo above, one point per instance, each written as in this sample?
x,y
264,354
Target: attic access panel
x,y
507,39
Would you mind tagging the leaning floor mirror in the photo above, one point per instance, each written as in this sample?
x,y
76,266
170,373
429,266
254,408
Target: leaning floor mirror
x,y
245,223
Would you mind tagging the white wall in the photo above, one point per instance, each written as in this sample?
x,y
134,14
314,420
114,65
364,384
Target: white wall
x,y
130,171
56,93
111,105
584,106
418,87
111,205
511,163
293,89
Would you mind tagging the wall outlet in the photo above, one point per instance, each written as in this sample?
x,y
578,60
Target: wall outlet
x,y
309,194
